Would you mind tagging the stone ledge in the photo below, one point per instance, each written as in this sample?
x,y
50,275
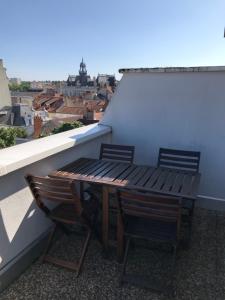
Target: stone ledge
x,y
18,156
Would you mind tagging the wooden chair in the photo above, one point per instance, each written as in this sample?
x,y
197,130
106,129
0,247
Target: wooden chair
x,y
69,211
149,217
187,161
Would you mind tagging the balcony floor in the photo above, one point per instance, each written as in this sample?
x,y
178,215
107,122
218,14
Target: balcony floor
x,y
200,270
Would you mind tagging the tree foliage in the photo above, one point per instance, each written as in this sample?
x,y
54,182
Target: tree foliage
x,y
8,136
67,126
23,87
20,132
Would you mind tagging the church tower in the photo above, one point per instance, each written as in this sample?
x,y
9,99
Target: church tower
x,y
83,73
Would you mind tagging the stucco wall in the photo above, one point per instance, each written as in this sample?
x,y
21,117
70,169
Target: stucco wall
x,y
5,99
182,110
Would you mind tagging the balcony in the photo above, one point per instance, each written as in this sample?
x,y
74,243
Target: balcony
x,y
152,108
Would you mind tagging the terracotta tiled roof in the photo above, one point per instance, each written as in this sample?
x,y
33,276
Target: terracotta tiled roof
x,y
72,110
96,105
52,102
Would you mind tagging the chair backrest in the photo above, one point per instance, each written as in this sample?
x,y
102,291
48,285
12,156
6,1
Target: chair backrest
x,y
120,153
166,209
179,159
54,190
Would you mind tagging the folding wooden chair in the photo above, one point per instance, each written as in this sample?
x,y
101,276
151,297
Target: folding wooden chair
x,y
149,217
187,161
69,211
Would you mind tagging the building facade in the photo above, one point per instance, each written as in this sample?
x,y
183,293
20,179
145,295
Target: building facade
x,y
15,80
5,99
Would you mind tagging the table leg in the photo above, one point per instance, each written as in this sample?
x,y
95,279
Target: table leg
x,y
105,217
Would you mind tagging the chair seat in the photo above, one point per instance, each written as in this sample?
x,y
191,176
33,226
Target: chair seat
x,y
149,229
64,213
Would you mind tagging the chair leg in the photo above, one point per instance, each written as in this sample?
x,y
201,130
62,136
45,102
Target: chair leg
x,y
81,190
49,243
190,225
172,290
96,229
120,238
125,261
84,250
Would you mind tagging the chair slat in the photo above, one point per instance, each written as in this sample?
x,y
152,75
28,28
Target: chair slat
x,y
150,216
180,152
54,196
175,165
115,157
52,188
157,210
157,204
50,181
145,197
179,159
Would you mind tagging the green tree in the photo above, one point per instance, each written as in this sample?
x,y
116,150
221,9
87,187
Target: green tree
x,y
23,87
67,126
20,132
7,137
14,87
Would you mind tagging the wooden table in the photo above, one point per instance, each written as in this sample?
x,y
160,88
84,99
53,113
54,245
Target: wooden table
x,y
123,175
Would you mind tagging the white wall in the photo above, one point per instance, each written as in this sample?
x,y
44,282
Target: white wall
x,y
5,98
21,223
182,110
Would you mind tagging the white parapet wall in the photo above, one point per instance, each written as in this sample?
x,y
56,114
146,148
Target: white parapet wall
x,y
181,108
5,98
22,225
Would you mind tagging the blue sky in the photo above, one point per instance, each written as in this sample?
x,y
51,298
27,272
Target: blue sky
x,y
46,39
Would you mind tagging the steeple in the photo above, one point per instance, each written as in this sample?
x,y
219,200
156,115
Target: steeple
x,y
83,70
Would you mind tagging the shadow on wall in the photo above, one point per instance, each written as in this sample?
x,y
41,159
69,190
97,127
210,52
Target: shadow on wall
x,y
21,222
9,244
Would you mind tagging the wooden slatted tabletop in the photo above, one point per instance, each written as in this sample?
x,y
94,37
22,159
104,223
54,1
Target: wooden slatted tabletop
x,y
123,175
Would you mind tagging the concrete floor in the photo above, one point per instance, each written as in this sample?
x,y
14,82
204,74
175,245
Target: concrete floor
x,y
200,273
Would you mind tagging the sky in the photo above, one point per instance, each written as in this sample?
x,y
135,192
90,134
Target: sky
x,y
46,39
